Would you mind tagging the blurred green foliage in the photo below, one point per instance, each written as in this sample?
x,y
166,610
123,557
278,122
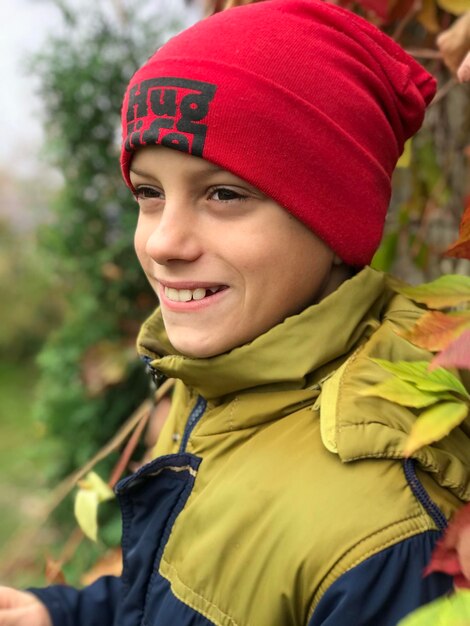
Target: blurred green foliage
x,y
83,73
30,305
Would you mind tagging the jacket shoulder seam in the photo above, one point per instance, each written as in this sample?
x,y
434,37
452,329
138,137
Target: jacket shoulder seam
x,y
415,525
212,610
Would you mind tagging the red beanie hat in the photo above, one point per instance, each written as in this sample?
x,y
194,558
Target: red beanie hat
x,y
305,100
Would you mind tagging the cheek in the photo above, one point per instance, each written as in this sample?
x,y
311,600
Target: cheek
x,y
140,243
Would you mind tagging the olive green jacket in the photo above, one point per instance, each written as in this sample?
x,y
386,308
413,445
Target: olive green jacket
x,y
299,478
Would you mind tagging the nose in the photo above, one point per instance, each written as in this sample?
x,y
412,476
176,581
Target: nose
x,y
174,235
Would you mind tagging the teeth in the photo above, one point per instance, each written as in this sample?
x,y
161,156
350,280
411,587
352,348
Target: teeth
x,y
185,295
199,294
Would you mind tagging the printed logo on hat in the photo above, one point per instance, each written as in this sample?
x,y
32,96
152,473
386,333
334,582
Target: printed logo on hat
x,y
169,111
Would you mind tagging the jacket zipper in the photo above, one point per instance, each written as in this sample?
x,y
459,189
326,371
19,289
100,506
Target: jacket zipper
x,y
193,419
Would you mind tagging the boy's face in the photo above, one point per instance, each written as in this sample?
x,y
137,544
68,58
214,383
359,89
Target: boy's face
x,y
226,262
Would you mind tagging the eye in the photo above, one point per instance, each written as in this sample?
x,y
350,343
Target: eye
x,y
144,192
225,194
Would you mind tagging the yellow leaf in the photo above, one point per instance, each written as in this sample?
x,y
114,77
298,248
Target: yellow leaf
x,y
86,512
405,159
93,482
401,392
92,491
427,16
453,610
456,7
434,424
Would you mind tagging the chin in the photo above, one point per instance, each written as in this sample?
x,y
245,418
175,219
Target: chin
x,y
196,349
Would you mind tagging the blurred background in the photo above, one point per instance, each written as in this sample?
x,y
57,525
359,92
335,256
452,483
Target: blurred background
x,y
71,294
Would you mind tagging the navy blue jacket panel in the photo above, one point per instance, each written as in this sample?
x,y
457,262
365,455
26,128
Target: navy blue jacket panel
x,y
384,588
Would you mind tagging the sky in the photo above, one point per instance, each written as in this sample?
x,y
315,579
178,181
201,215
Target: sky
x,y
24,28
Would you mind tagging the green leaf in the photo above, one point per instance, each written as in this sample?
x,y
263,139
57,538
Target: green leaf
x,y
401,392
434,424
443,292
451,610
386,253
418,373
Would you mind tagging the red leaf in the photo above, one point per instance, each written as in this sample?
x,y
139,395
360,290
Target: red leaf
x,y
387,10
457,353
452,553
461,248
444,560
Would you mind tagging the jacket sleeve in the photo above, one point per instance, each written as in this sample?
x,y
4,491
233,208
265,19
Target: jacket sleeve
x,y
92,606
384,588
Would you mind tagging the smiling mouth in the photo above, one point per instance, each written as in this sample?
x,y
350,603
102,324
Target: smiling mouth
x,y
187,295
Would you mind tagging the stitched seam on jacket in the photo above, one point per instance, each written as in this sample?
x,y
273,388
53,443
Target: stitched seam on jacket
x,y
338,570
461,488
127,516
231,621
166,534
235,402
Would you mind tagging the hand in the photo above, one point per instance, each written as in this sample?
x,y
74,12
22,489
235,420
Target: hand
x,y
454,44
463,72
20,608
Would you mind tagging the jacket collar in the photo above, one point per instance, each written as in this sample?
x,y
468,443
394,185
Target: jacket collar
x,y
297,353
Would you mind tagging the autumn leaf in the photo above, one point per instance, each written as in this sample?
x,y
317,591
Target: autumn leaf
x,y
401,392
461,248
456,7
434,424
428,17
456,354
104,364
451,554
405,159
92,491
435,330
418,373
453,610
445,291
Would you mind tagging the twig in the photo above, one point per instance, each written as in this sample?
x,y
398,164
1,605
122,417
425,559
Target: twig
x,y
402,24
444,90
54,572
124,459
424,53
64,488
25,539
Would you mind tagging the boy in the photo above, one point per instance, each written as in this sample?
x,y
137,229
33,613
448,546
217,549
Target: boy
x,y
259,145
